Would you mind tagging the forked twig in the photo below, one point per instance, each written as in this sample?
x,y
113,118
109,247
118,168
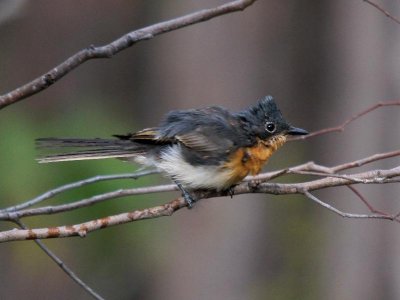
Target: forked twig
x,y
370,207
345,214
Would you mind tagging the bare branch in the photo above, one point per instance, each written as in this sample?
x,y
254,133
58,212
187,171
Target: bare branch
x,y
342,126
376,176
366,160
385,12
63,266
309,168
122,43
82,229
323,170
348,177
51,193
370,207
47,210
344,214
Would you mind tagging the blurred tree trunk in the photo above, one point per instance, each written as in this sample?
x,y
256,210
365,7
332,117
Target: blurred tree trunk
x,y
360,261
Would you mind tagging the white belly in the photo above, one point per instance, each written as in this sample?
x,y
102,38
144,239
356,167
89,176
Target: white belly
x,y
195,177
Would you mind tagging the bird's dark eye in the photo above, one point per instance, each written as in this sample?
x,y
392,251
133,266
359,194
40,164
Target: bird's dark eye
x,y
270,127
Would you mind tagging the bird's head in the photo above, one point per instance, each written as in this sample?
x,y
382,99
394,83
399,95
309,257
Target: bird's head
x,y
264,120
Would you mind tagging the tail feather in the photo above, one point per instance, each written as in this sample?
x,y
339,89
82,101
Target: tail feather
x,y
88,149
76,142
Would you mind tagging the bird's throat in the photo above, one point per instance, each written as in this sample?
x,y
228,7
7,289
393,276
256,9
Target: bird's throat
x,y
250,160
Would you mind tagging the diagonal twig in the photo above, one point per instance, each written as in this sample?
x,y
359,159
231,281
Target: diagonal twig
x,y
342,126
382,10
366,160
50,77
62,265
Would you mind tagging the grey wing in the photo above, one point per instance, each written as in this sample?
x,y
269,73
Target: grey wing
x,y
205,139
206,146
207,135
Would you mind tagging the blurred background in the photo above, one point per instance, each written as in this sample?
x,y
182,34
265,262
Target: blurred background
x,y
323,61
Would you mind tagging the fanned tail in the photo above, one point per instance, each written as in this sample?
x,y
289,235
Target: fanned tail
x,y
89,149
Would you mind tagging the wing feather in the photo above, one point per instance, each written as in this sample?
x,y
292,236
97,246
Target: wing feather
x,y
204,143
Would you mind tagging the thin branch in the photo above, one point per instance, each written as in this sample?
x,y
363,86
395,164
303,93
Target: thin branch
x,y
82,229
62,265
375,176
323,170
342,126
344,214
51,193
366,160
348,177
319,170
47,210
370,207
385,12
397,215
44,81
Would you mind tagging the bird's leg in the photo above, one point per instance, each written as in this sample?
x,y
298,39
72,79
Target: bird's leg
x,y
230,191
186,195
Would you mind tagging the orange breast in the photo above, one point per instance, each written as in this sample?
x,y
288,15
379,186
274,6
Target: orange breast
x,y
251,160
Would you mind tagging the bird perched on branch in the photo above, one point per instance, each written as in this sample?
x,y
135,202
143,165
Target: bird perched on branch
x,y
207,148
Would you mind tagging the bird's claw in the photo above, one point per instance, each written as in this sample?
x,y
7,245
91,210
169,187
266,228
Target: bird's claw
x,y
188,199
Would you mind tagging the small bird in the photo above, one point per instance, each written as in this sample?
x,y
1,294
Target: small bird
x,y
206,148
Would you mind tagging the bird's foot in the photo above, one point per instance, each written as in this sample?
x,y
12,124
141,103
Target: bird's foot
x,y
188,198
230,191
186,195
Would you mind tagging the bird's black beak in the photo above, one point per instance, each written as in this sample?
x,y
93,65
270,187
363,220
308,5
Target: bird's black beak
x,y
296,131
